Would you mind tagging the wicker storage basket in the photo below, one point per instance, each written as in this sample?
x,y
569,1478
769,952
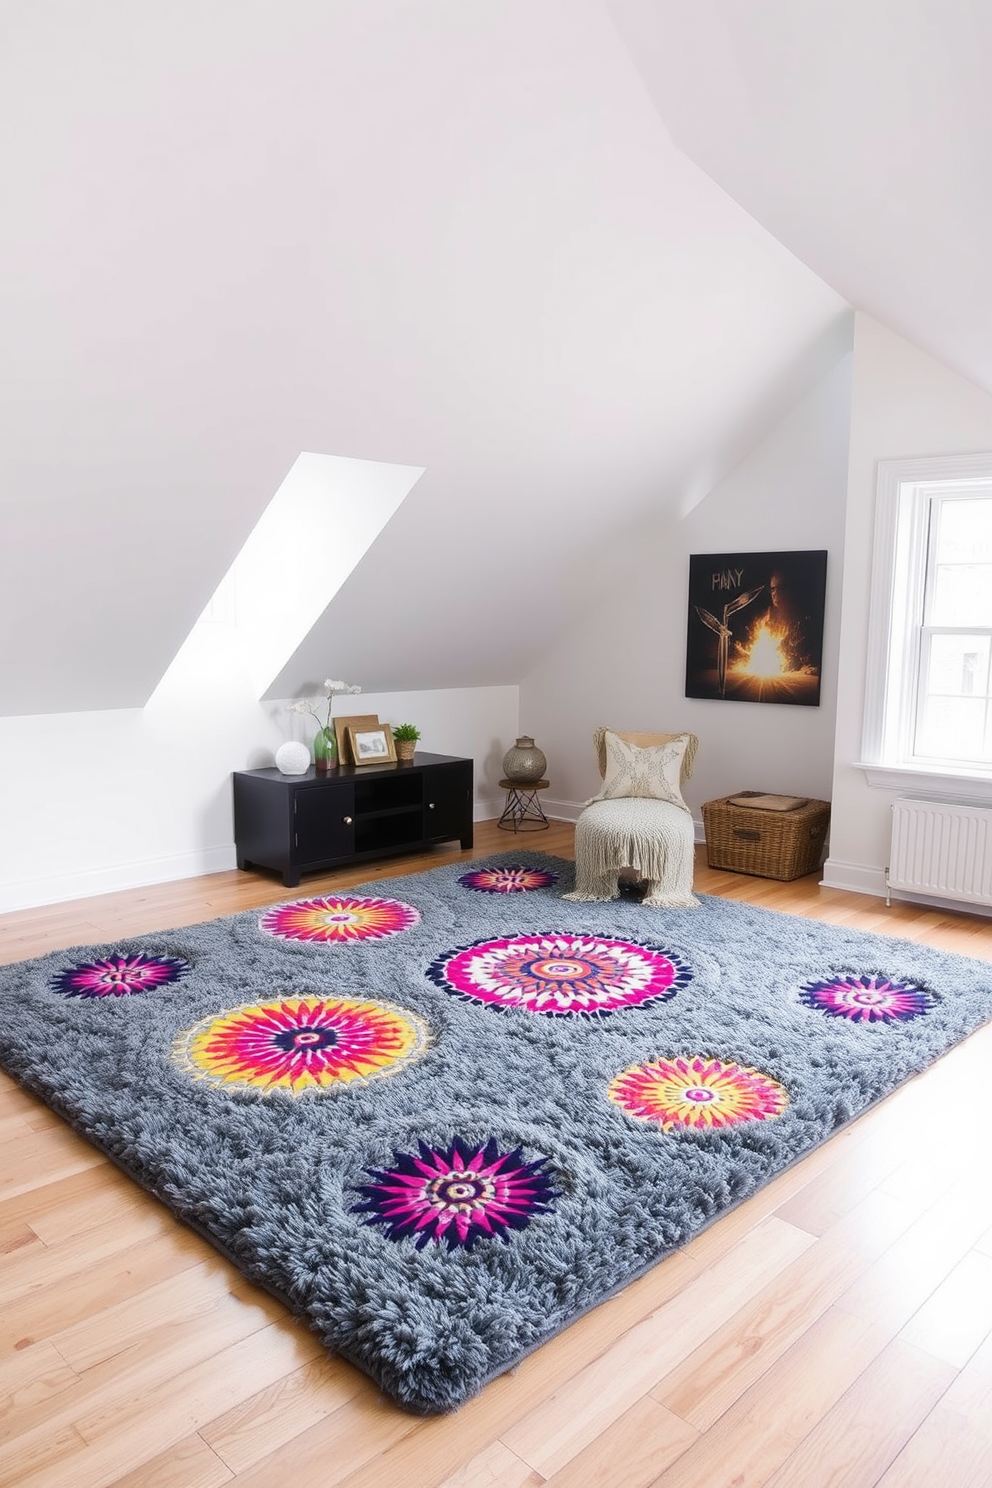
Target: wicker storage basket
x,y
770,844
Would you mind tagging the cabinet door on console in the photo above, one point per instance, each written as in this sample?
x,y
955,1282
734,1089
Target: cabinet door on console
x,y
448,802
324,822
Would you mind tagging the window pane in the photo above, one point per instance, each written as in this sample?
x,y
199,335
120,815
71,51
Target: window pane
x,y
965,531
952,728
962,594
959,665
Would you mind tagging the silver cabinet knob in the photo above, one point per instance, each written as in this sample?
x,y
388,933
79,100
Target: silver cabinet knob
x,y
430,805
346,820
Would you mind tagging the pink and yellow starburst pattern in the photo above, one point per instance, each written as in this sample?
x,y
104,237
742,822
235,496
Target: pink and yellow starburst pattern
x,y
118,975
697,1094
339,918
456,1195
509,879
560,976
302,1043
867,999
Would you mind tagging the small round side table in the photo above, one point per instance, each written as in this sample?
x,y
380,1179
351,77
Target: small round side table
x,y
522,812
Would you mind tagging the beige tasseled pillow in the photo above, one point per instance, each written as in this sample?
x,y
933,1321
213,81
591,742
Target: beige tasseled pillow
x,y
646,741
649,773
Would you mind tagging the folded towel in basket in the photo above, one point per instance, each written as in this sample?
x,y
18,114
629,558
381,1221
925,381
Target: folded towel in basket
x,y
764,802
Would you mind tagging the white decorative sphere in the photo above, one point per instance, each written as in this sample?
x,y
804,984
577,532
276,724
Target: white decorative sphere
x,y
293,758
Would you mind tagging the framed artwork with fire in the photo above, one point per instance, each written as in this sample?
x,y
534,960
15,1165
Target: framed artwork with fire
x,y
755,632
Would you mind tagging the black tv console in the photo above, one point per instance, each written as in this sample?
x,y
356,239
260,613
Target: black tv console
x,y
299,824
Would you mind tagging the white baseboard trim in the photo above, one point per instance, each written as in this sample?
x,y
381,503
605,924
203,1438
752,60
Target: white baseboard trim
x,y
959,906
860,878
486,807
60,888
563,810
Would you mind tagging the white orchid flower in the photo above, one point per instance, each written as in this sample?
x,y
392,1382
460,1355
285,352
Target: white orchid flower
x,y
332,685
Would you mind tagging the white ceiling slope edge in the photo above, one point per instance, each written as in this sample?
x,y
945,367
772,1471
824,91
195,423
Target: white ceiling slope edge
x,y
448,236
858,132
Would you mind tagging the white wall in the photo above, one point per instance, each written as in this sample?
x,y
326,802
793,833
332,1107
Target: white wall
x,y
625,664
93,802
904,405
449,235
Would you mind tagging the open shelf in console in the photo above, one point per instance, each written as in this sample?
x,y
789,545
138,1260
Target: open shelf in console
x,y
379,830
388,793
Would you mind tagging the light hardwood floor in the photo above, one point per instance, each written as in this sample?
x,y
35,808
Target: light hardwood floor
x,y
834,1329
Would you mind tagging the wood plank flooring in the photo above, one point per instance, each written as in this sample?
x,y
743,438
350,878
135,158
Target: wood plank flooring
x,y
835,1329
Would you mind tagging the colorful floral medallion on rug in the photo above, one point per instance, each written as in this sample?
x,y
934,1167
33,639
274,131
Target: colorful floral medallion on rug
x,y
443,1122
299,1044
699,1094
456,1196
561,975
513,878
117,975
339,917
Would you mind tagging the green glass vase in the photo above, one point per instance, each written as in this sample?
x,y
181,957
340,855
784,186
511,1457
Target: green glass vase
x,y
325,750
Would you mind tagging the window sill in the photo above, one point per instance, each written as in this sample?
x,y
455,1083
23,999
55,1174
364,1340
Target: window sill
x,y
953,785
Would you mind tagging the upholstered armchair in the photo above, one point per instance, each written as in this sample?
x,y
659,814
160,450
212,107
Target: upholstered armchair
x,y
638,822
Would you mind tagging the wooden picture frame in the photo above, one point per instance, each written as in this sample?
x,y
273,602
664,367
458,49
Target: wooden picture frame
x,y
341,727
372,745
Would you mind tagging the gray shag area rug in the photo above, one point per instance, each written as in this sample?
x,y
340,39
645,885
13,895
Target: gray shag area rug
x,y
443,1115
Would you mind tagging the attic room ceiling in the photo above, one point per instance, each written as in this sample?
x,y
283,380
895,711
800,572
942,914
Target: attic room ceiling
x,y
858,132
436,234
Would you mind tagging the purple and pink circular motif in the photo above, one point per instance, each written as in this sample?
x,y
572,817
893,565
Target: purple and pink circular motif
x,y
456,1195
867,999
118,975
561,976
510,879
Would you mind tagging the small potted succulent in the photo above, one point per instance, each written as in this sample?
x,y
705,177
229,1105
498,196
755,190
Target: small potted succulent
x,y
405,736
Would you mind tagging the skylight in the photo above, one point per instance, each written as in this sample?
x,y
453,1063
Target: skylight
x,y
318,525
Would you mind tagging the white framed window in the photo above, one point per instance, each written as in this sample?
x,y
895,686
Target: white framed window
x,y
953,718
928,705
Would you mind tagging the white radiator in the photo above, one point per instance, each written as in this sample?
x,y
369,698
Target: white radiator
x,y
942,850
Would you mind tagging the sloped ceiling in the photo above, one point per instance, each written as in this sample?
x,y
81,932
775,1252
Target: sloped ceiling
x,y
445,235
858,132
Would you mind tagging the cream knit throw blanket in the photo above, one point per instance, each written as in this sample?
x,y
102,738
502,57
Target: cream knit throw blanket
x,y
654,838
